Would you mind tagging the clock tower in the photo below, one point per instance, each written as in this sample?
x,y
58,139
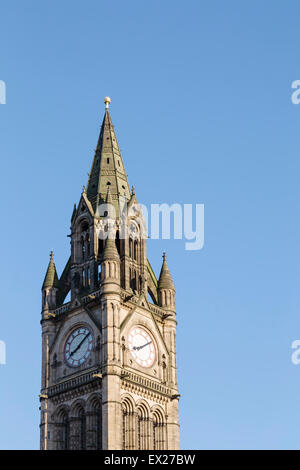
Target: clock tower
x,y
109,377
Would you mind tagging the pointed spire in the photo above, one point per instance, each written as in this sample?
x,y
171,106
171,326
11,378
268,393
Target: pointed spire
x,y
107,168
165,279
51,279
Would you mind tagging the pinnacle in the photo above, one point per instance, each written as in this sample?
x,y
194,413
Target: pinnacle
x,y
165,279
51,279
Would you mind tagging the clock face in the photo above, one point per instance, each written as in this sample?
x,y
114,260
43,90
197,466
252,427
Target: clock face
x,y
141,346
78,346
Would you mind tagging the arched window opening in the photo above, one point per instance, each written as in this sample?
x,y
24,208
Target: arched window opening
x,y
159,431
94,425
78,429
88,276
130,247
61,430
129,432
118,241
83,278
143,428
88,245
99,272
135,250
84,226
82,248
100,246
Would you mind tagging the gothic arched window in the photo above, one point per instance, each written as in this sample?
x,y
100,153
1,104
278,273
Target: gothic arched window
x,y
143,428
128,434
77,428
94,424
88,245
61,429
130,247
159,430
82,247
135,249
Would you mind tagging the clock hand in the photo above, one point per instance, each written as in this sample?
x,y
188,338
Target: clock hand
x,y
145,344
137,348
79,345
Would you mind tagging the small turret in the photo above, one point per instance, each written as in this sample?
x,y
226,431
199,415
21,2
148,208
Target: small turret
x,y
110,251
110,265
50,286
166,289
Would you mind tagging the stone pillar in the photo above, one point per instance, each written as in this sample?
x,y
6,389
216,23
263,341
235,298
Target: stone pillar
x,y
111,370
173,425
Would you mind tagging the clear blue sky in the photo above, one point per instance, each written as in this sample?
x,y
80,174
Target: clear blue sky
x,y
201,103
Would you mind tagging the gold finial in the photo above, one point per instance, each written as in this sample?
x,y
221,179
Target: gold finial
x,y
51,255
107,100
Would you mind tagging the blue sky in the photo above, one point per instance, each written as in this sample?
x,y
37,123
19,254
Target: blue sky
x,y
201,103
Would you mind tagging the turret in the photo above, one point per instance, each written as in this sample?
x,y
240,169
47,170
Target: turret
x,y
166,289
110,265
50,286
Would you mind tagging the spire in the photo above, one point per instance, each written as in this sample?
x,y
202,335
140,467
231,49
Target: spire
x,y
165,279
107,168
51,279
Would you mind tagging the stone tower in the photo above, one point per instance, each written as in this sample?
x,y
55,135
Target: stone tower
x,y
109,376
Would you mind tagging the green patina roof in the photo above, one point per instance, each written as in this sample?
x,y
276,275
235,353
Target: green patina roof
x,y
107,167
165,279
51,279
